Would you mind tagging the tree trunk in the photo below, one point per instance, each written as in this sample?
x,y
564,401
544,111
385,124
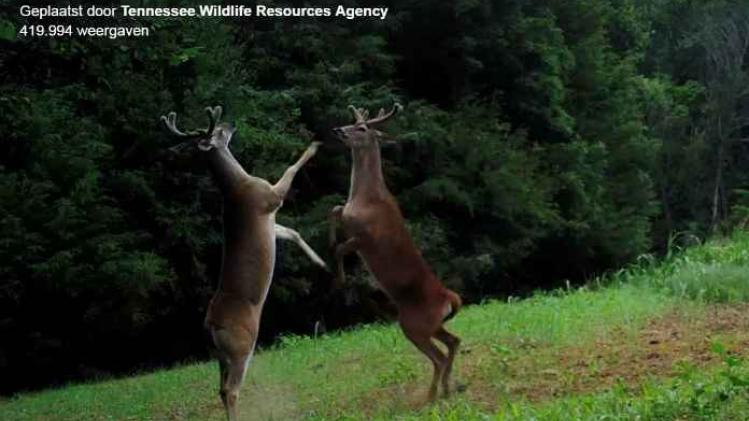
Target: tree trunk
x,y
715,216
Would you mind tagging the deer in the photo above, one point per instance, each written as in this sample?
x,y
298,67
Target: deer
x,y
250,204
375,229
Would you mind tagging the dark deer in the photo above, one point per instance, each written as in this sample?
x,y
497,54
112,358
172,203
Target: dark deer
x,y
249,206
376,230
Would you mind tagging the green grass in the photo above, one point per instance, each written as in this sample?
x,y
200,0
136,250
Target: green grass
x,y
523,359
728,284
719,394
703,397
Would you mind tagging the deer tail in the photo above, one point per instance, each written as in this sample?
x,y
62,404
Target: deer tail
x,y
455,304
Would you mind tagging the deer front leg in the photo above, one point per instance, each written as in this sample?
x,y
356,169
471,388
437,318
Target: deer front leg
x,y
285,233
284,183
341,251
334,218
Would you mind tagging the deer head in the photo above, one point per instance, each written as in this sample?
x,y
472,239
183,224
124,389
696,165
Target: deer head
x,y
216,135
363,133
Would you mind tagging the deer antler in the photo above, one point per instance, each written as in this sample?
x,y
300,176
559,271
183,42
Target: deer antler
x,y
362,116
382,116
357,114
214,115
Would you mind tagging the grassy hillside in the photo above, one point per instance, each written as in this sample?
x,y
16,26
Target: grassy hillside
x,y
660,340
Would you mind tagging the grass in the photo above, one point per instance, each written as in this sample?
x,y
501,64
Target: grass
x,y
658,340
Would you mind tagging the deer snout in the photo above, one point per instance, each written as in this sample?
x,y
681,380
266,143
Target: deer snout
x,y
339,132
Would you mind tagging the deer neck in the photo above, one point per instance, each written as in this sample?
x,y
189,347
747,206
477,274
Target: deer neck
x,y
366,173
225,168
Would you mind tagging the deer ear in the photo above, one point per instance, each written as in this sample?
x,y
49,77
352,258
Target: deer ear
x,y
384,140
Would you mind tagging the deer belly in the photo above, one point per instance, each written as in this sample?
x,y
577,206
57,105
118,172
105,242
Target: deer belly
x,y
227,311
248,267
392,269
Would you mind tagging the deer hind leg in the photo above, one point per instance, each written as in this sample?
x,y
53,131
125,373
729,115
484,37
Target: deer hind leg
x,y
452,342
235,349
423,341
223,369
230,389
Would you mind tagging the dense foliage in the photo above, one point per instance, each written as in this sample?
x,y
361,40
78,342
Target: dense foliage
x,y
542,140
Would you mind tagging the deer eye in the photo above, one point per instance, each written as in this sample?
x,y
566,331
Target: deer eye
x,y
361,129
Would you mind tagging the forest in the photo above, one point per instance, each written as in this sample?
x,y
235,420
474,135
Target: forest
x,y
542,142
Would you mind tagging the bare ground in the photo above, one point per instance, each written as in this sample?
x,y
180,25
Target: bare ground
x,y
491,375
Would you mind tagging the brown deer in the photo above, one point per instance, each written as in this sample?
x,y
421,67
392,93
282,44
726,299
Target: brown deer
x,y
376,230
249,206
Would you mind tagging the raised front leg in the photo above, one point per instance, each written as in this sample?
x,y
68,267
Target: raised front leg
x,y
285,233
347,247
334,219
284,183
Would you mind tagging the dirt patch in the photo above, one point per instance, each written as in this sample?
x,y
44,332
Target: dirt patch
x,y
410,396
266,402
490,375
496,375
728,318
